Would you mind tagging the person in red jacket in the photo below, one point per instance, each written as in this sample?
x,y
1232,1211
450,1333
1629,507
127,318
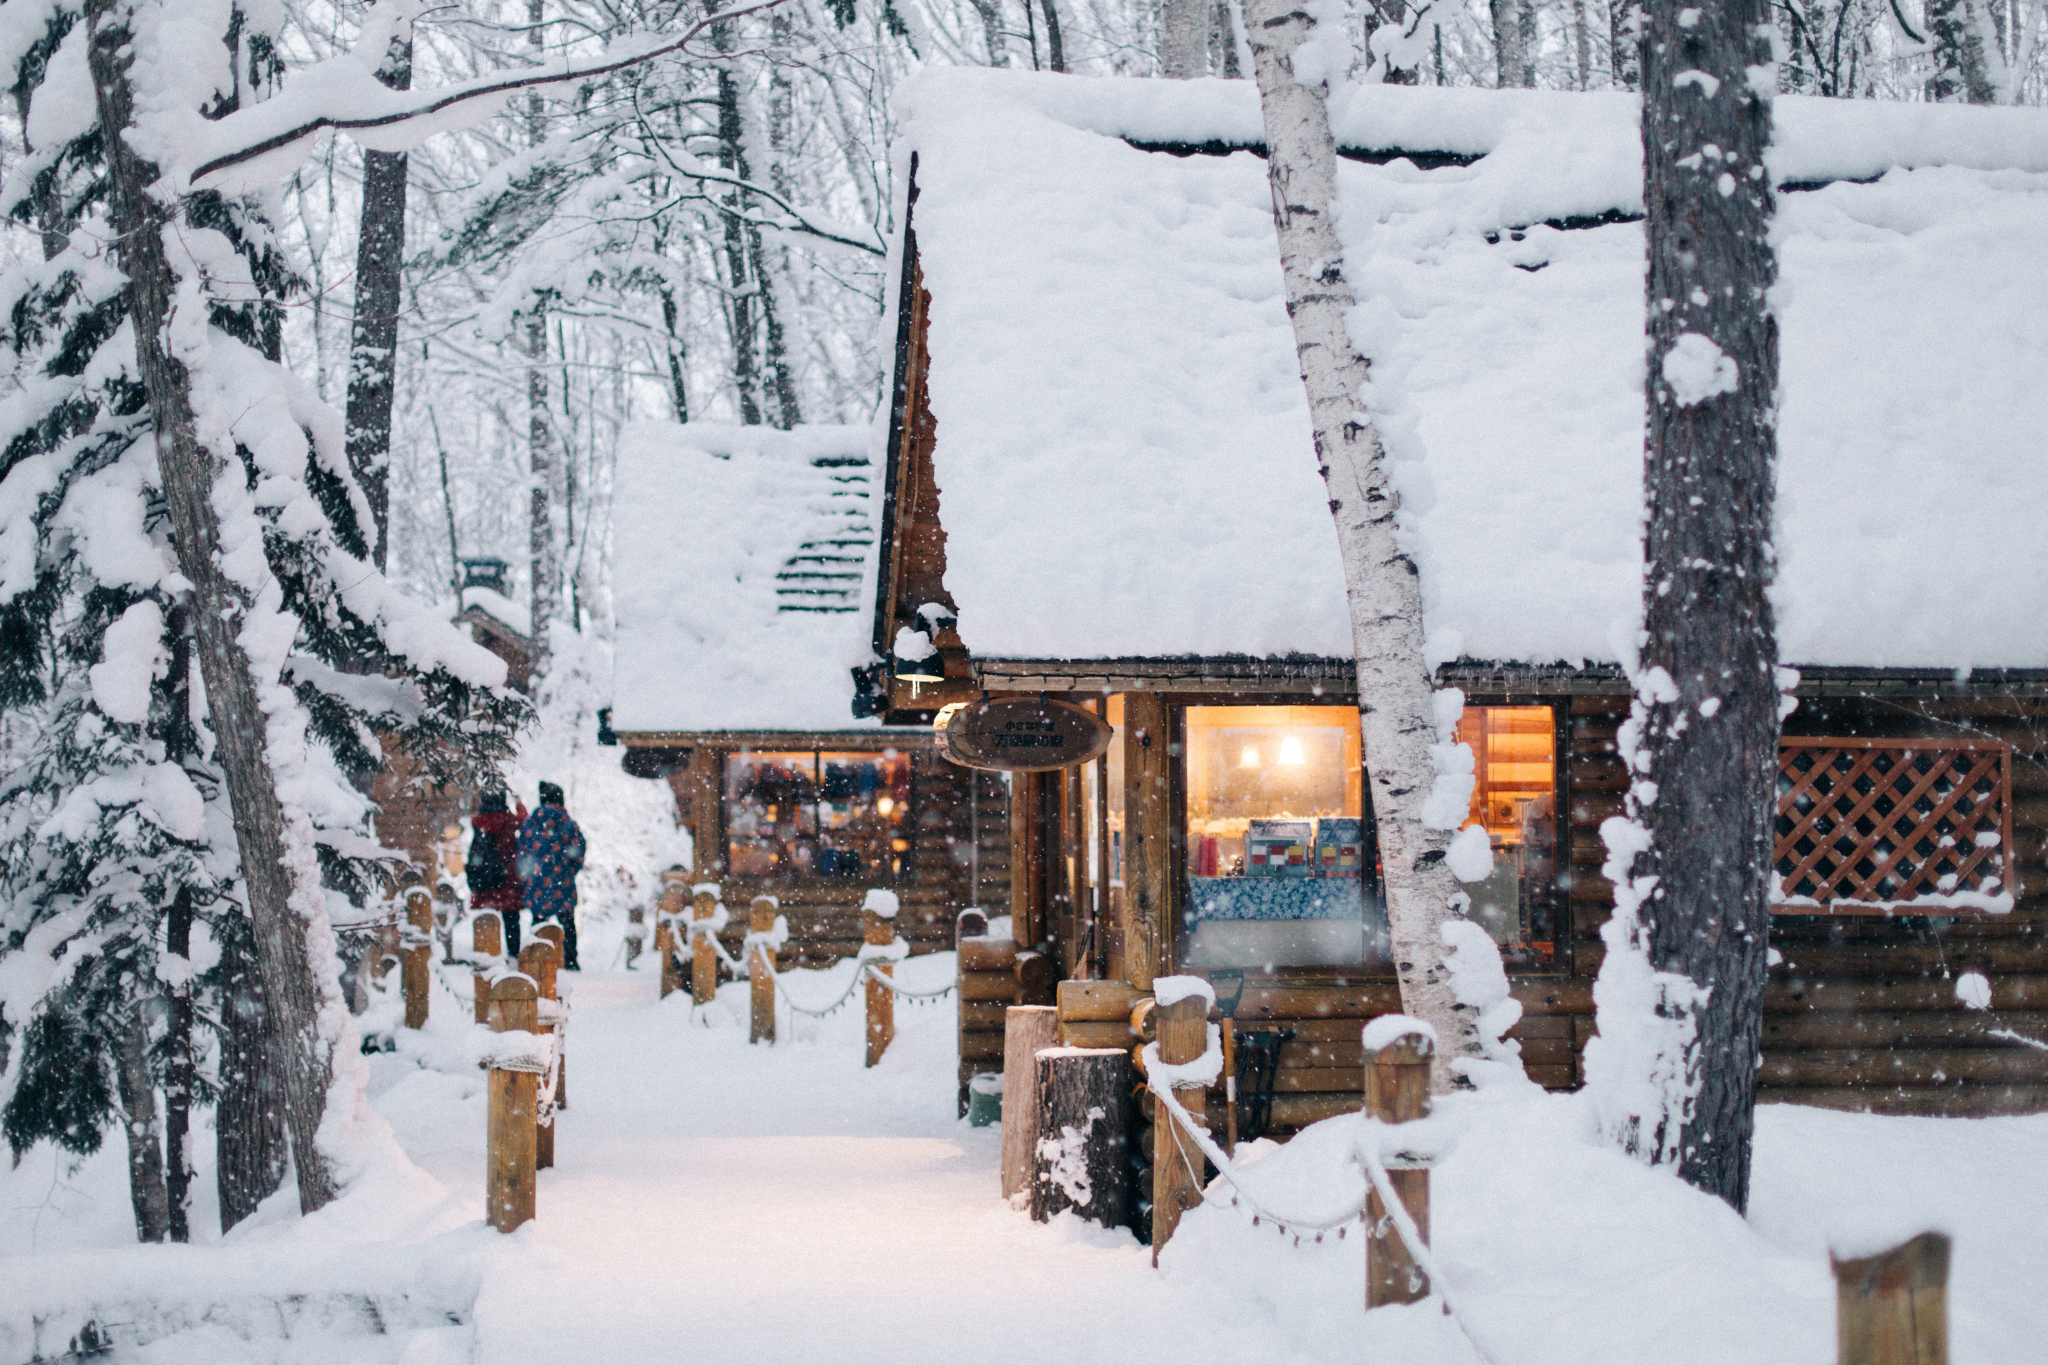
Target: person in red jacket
x,y
493,868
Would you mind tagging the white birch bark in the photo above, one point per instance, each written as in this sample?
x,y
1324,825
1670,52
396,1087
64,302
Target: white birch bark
x,y
1183,39
1380,582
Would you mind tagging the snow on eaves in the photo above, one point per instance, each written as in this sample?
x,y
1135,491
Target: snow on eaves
x,y
740,555
1123,454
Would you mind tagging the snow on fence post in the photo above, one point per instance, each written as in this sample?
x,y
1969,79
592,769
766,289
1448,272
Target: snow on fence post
x,y
1183,1023
514,1107
665,916
1077,1156
486,943
1398,1051
538,961
1026,1030
418,958
550,989
761,970
1892,1308
706,897
878,931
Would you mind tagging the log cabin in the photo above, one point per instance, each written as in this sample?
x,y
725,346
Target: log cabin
x,y
1100,486
740,563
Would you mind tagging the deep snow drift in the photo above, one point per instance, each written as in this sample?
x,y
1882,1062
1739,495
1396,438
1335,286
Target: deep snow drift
x,y
737,1203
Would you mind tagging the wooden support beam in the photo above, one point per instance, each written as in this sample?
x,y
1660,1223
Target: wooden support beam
x,y
1892,1308
1397,1091
1176,1160
1026,1030
1148,838
509,1159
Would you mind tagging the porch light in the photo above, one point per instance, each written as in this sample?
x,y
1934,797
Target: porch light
x,y
1290,752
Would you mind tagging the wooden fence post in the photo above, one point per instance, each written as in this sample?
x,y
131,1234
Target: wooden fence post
x,y
704,957
1183,1038
761,971
1077,1161
486,939
509,1159
418,957
878,931
1892,1308
539,960
550,989
674,900
1026,1030
636,933
1397,1091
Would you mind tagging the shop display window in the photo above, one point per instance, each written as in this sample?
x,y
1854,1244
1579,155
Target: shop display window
x,y
813,813
1281,855
1514,751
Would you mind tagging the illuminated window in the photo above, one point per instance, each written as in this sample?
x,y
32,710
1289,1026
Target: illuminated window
x,y
1280,858
818,814
1514,749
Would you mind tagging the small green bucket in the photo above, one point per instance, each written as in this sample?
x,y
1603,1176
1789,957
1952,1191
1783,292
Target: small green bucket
x,y
985,1099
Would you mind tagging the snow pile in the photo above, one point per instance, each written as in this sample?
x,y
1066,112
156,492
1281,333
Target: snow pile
x,y
1144,486
724,536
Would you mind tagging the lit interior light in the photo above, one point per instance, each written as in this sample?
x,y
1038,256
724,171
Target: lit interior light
x,y
1250,758
885,805
1290,753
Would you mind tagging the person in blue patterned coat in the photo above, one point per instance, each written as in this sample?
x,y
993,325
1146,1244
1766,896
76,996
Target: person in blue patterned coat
x,y
550,856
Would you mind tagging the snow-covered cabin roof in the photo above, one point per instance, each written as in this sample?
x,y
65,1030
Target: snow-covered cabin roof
x,y
1123,455
737,570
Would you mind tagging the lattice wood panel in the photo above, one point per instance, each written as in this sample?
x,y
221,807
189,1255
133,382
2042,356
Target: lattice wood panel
x,y
1865,826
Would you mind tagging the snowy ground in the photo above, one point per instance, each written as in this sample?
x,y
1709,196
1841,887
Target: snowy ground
x,y
724,1203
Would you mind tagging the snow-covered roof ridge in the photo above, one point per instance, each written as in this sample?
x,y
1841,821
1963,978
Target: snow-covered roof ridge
x,y
1123,452
739,556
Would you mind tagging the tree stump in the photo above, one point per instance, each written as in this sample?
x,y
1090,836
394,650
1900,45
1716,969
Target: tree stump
x,y
1077,1161
486,940
1397,1091
540,960
1176,1160
703,957
1026,1030
510,1154
418,957
761,972
1892,1308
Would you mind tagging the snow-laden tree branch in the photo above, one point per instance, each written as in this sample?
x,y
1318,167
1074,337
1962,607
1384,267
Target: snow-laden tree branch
x,y
344,93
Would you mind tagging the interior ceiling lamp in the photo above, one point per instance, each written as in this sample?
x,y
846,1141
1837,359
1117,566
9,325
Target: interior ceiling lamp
x,y
1250,757
1290,753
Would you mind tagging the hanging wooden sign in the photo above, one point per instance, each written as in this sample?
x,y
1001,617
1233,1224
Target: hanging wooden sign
x,y
1021,734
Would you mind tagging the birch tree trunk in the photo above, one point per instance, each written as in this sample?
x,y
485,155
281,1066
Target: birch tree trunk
x,y
1183,39
218,607
1693,902
1380,582
373,341
145,1135
1962,67
544,575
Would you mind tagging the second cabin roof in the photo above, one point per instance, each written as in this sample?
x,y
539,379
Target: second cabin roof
x,y
1123,459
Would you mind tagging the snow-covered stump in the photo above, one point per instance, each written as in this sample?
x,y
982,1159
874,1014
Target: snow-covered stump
x,y
1892,1308
705,900
418,959
761,970
538,961
1183,1026
510,1155
1396,1091
878,930
1078,1155
486,946
1027,1030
